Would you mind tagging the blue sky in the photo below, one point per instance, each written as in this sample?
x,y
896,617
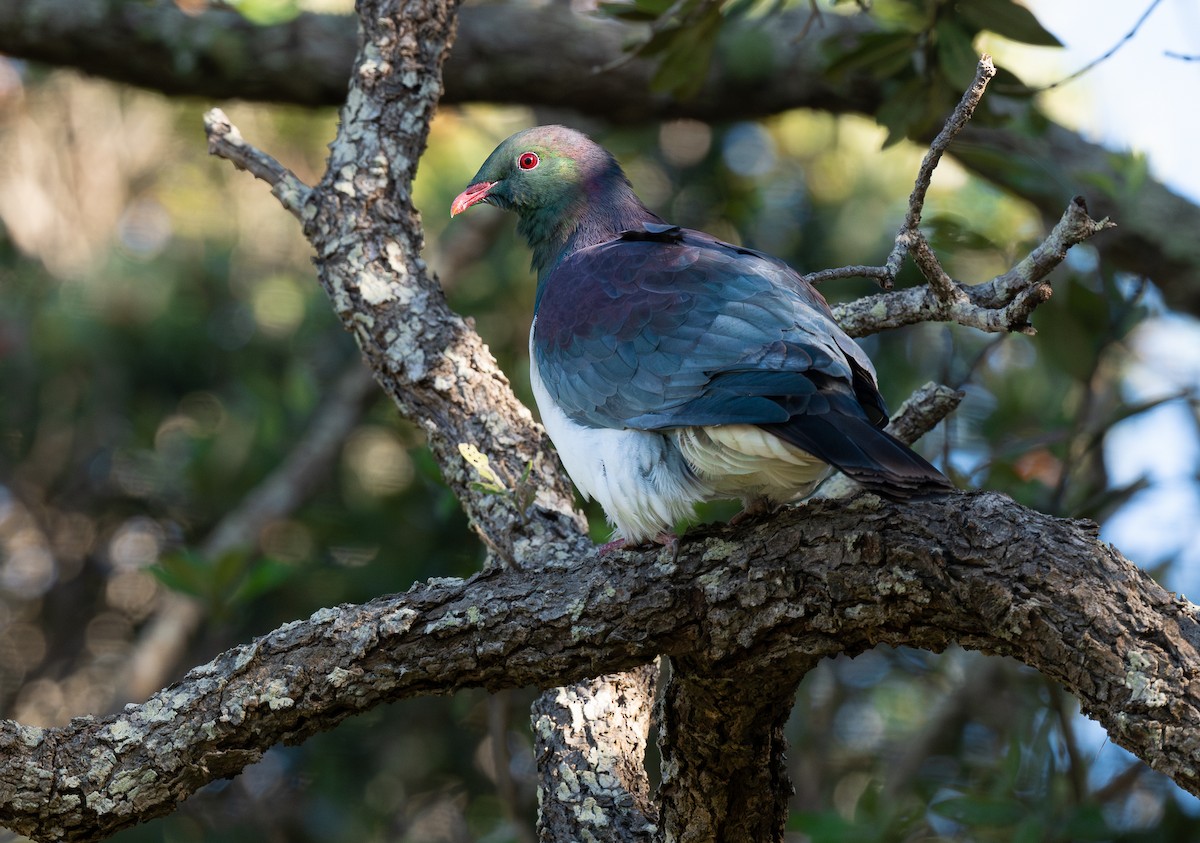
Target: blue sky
x,y
1140,98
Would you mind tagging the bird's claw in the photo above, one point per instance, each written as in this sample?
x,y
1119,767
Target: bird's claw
x,y
669,540
609,547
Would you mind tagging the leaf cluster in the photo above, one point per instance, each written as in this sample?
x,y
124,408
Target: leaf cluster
x,y
925,54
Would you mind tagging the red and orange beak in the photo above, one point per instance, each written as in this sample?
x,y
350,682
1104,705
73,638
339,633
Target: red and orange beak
x,y
474,193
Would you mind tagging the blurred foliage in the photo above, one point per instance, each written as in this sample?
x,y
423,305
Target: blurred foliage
x,y
925,57
923,54
163,344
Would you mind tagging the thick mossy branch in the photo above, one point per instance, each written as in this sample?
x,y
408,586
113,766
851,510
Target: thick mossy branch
x,y
822,579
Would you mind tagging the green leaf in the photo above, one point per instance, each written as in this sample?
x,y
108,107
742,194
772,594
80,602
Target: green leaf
x,y
266,12
1087,823
265,575
1032,829
882,54
1009,19
956,55
827,827
903,112
184,571
685,61
638,10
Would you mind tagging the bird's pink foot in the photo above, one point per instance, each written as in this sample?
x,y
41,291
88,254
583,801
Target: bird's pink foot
x,y
752,508
669,540
609,547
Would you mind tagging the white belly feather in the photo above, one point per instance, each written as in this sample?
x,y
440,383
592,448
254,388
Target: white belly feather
x,y
745,461
648,480
639,478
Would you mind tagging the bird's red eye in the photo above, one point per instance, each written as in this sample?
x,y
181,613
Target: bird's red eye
x,y
528,160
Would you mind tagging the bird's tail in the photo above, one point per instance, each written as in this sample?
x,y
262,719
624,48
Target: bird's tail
x,y
870,456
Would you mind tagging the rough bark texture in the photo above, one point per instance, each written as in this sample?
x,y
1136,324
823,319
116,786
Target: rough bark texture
x,y
815,581
592,747
724,773
218,54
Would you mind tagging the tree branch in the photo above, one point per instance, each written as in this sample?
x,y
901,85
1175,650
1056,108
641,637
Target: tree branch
x,y
591,739
226,141
818,580
218,54
909,237
1002,304
367,237
724,772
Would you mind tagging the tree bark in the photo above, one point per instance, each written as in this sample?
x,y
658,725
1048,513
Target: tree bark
x,y
591,739
368,240
724,772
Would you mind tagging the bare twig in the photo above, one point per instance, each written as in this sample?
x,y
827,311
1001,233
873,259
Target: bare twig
x,y
1119,785
814,16
1064,709
1002,304
879,274
943,285
958,119
909,239
225,141
922,411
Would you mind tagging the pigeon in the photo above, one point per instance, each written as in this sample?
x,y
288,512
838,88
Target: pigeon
x,y
670,367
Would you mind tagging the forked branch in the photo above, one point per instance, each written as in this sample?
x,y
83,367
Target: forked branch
x,y
1003,304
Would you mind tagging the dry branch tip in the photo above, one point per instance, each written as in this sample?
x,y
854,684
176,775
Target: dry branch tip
x,y
225,141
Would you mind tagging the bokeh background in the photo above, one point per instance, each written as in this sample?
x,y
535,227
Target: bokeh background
x,y
167,362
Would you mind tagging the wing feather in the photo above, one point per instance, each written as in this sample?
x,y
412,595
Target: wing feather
x,y
664,331
660,330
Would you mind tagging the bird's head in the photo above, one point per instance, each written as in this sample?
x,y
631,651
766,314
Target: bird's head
x,y
546,167
565,188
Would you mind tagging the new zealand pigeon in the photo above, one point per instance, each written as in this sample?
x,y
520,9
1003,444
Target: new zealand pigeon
x,y
672,368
